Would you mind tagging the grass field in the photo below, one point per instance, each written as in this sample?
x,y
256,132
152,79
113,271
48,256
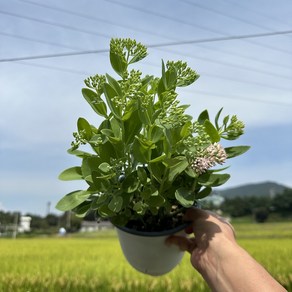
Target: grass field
x,y
95,263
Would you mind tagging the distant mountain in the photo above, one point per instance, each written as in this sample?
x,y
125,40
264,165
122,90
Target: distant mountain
x,y
258,190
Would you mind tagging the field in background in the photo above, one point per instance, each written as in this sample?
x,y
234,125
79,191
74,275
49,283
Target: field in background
x,y
95,263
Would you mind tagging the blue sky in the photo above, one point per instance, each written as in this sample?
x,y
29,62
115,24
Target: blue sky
x,y
40,98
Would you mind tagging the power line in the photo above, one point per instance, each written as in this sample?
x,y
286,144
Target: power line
x,y
158,45
160,15
186,23
213,94
94,18
73,71
38,41
239,4
237,97
86,16
211,9
242,67
65,26
77,72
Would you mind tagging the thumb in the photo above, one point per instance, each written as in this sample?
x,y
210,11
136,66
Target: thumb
x,y
184,243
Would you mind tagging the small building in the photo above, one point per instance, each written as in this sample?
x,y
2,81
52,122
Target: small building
x,y
90,226
24,224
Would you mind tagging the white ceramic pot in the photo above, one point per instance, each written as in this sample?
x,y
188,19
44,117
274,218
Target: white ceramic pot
x,y
147,252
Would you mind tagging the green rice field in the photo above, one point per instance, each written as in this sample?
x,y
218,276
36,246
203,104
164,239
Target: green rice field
x,y
94,262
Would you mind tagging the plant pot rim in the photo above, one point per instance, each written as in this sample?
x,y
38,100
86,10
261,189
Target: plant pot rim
x,y
154,233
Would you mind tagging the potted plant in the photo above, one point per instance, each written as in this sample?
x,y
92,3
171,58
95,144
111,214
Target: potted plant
x,y
149,159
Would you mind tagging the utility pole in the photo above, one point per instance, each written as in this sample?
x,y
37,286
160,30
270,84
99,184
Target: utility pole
x,y
48,208
14,233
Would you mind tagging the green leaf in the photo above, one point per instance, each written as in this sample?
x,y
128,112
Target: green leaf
x,y
185,197
114,85
90,164
118,63
79,153
131,183
107,132
236,151
110,94
132,127
204,115
140,208
204,193
156,133
148,191
116,127
217,118
72,173
171,79
186,129
84,128
142,174
82,209
156,200
72,200
107,151
159,158
211,131
95,102
105,167
157,170
213,179
99,201
144,116
105,212
176,166
141,153
116,204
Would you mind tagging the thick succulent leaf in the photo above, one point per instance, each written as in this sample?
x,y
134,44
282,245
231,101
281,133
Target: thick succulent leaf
x,y
131,183
110,95
72,173
204,115
95,102
116,204
115,84
217,118
156,200
213,179
118,63
176,166
204,193
84,128
82,209
185,197
211,131
72,200
236,151
132,127
142,174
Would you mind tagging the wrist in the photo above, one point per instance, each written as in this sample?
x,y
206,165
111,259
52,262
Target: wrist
x,y
217,261
225,266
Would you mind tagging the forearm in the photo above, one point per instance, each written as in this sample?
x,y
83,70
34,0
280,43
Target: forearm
x,y
236,270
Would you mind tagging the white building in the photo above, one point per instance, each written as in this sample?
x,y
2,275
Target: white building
x,y
24,224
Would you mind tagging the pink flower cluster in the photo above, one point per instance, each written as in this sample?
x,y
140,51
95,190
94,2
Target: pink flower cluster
x,y
212,155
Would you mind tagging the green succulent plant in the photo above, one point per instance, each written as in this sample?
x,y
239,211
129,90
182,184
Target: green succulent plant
x,y
149,157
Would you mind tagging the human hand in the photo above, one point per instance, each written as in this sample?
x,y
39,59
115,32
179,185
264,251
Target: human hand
x,y
221,261
212,233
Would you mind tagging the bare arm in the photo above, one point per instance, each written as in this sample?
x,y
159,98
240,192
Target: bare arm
x,y
224,265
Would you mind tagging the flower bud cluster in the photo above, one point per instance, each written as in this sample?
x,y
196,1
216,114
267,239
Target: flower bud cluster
x,y
212,155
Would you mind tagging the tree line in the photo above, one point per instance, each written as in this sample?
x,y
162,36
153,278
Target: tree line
x,y
259,207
